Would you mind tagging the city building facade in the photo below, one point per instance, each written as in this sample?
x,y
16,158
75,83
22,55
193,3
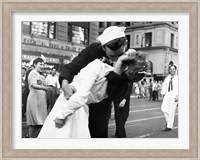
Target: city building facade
x,y
158,39
57,42
60,42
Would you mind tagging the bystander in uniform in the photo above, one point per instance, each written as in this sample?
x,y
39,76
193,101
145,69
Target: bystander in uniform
x,y
170,97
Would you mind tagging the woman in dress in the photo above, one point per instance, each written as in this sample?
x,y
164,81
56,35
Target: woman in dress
x,y
36,110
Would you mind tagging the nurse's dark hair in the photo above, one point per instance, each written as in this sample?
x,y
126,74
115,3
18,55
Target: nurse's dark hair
x,y
116,43
139,57
138,66
37,60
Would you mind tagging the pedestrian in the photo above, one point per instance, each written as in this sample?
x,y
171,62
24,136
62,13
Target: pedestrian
x,y
53,83
154,91
112,44
137,90
122,112
142,89
69,118
36,108
25,91
145,88
24,86
170,97
159,90
150,86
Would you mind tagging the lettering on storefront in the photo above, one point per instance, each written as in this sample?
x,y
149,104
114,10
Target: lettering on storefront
x,y
47,59
54,44
28,57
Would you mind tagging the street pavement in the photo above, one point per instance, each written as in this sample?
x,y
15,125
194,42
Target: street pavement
x,y
145,121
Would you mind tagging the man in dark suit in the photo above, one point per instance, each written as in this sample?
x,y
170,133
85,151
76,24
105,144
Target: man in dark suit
x,y
112,44
122,112
121,98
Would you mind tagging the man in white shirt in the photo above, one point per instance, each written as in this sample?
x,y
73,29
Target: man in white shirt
x,y
169,93
52,81
154,90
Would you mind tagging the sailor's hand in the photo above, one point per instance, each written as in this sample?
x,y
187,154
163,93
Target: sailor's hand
x,y
122,103
68,89
130,53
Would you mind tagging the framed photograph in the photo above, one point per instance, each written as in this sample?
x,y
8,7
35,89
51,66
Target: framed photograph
x,y
57,32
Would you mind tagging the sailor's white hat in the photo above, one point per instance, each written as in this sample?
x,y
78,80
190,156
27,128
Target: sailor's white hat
x,y
111,33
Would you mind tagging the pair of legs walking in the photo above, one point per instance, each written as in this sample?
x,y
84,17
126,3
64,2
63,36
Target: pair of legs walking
x,y
168,108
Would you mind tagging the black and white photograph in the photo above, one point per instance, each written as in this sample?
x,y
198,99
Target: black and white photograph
x,y
100,79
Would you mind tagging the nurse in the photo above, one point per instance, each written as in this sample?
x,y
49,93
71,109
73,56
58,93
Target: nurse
x,y
69,118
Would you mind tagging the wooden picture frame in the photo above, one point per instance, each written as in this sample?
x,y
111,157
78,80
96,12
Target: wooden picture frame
x,y
9,7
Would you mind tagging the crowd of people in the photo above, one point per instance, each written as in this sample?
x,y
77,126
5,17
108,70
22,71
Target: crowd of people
x,y
77,103
148,89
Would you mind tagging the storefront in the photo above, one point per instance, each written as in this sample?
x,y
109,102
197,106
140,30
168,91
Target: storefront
x,y
50,62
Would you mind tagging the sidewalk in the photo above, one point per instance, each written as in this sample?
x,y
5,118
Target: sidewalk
x,y
161,134
145,121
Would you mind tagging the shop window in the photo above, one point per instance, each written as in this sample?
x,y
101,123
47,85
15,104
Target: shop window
x,y
26,28
108,24
137,39
128,23
78,34
128,39
172,40
148,39
43,29
118,23
51,30
101,24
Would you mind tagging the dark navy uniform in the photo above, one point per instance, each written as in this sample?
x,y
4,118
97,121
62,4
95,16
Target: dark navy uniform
x,y
99,113
122,113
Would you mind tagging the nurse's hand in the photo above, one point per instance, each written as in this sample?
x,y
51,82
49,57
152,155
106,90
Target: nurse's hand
x,y
68,89
59,123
